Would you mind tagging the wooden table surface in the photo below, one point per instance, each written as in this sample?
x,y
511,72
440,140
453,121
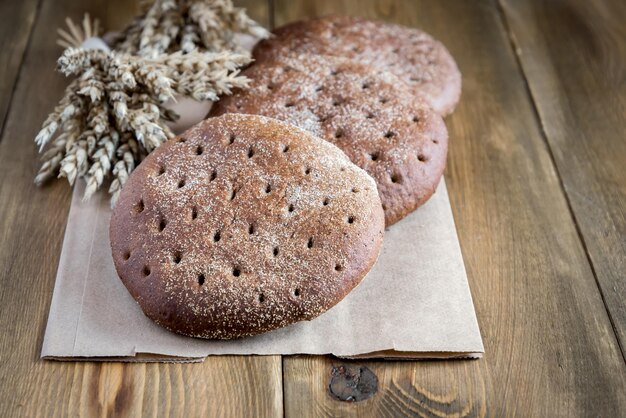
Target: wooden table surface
x,y
537,181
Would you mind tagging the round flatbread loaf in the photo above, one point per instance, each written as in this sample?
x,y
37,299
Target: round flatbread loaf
x,y
418,59
399,140
244,224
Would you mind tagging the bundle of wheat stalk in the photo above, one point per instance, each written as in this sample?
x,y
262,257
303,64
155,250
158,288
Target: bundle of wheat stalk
x,y
113,113
185,25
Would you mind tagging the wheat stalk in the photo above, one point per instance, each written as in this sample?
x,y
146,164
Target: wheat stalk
x,y
113,113
75,35
185,25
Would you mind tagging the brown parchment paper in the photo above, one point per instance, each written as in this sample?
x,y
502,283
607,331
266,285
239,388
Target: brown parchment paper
x,y
414,304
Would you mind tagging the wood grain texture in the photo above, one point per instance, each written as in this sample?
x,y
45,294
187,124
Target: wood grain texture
x,y
576,72
221,386
32,222
550,348
405,388
18,18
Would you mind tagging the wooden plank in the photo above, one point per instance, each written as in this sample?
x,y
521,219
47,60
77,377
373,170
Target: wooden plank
x,y
405,388
550,348
17,22
574,56
32,221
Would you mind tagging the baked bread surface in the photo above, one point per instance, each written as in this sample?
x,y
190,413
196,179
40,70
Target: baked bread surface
x,y
394,136
244,224
418,59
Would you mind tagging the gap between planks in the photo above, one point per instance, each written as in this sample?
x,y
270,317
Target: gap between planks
x,y
19,68
544,136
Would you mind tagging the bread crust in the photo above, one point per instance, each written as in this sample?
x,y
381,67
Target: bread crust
x,y
398,139
244,224
415,57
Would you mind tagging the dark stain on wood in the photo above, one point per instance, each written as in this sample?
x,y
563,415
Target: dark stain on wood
x,y
352,383
93,397
124,396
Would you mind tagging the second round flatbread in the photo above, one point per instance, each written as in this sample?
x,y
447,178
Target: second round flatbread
x,y
399,140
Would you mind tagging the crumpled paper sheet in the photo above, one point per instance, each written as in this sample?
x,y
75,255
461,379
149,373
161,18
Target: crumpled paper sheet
x,y
414,304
